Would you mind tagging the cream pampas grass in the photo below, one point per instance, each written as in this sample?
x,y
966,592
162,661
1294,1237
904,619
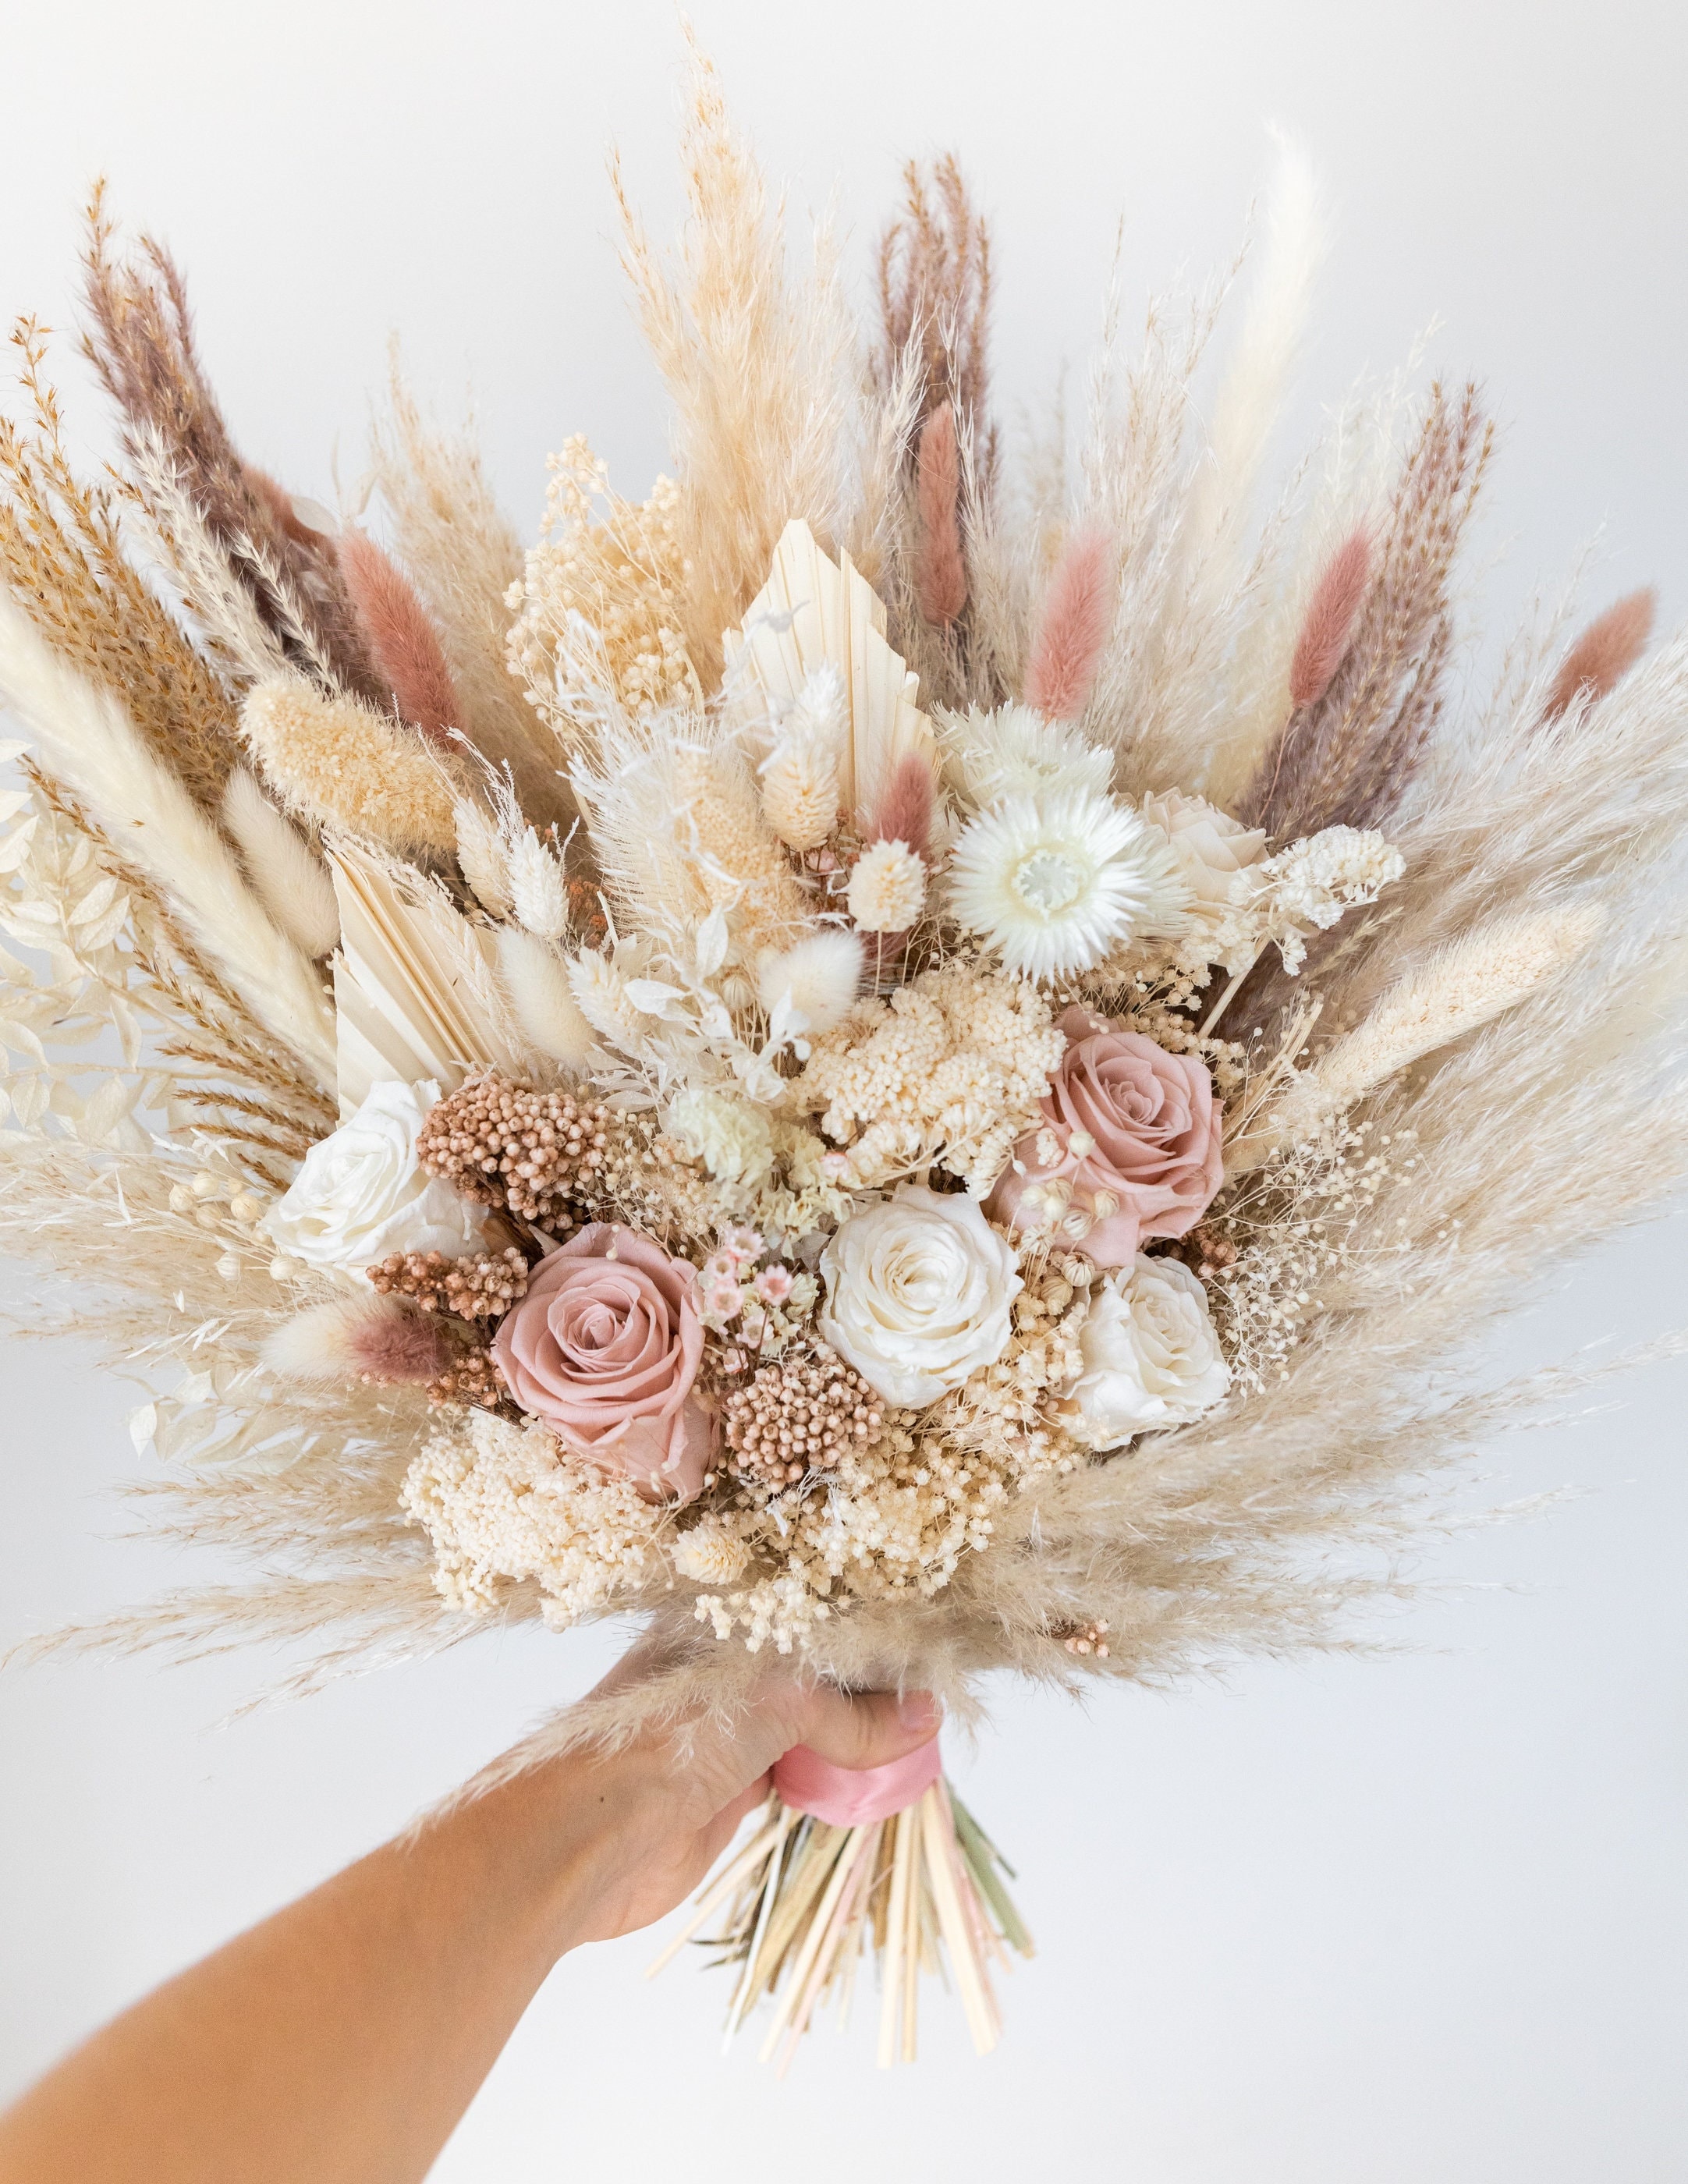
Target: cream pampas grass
x,y
337,761
86,738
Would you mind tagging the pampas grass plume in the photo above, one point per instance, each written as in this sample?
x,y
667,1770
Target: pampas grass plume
x,y
403,643
1604,653
538,984
1327,625
1074,629
941,574
290,879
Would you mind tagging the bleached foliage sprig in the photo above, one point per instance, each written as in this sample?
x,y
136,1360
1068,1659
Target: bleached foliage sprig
x,y
867,1054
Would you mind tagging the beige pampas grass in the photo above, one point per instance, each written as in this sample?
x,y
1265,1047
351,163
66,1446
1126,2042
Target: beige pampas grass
x,y
757,366
1463,987
536,978
290,880
337,761
85,738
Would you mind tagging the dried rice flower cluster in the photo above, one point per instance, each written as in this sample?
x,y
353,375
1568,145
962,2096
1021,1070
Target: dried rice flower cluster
x,y
798,1416
483,1285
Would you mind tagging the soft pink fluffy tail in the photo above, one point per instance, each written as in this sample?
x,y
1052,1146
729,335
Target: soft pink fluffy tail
x,y
904,811
400,637
1073,630
1327,625
1605,652
940,576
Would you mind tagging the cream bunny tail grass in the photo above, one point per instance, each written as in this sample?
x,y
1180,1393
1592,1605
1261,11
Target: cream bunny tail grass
x,y
290,878
336,761
85,738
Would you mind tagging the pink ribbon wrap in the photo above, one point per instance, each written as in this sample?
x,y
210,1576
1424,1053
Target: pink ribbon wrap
x,y
854,1796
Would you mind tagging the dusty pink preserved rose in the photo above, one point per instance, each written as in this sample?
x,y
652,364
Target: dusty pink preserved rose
x,y
1137,1136
603,1349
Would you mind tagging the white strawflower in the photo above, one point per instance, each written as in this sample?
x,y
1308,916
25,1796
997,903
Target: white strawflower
x,y
360,1193
887,887
920,1291
1152,1357
1014,751
1053,883
734,1139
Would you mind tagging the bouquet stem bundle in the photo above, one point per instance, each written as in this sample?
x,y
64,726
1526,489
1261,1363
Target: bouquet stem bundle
x,y
805,1900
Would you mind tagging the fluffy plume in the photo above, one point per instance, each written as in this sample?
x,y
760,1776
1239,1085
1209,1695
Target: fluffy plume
x,y
1327,625
538,893
337,761
759,369
940,572
86,740
480,859
402,641
291,881
1072,629
934,278
904,812
1462,987
815,982
463,556
1346,759
140,340
372,1337
799,776
1604,653
536,980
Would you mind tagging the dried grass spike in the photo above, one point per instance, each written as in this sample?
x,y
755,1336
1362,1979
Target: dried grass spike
x,y
402,640
1604,653
1074,629
1327,625
940,575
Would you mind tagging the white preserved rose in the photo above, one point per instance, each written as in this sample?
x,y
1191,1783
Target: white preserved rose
x,y
1152,1357
1211,848
360,1193
920,1289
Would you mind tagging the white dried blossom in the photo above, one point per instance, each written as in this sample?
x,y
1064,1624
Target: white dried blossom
x,y
1014,751
1053,882
734,1139
1150,1356
1303,889
887,887
538,893
711,1553
1210,847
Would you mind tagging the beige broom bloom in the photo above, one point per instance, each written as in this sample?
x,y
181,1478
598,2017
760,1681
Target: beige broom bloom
x,y
337,761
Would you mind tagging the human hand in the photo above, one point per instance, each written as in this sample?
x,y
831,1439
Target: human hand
x,y
666,1804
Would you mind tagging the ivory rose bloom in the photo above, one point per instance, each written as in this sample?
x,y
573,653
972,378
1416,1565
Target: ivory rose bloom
x,y
1152,1357
360,1193
1129,1146
1210,847
919,1291
604,1348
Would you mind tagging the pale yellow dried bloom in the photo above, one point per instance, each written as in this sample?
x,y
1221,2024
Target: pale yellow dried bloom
x,y
621,573
887,887
710,1553
949,1069
502,1502
338,762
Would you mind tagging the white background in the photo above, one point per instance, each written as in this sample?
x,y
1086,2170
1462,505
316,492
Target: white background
x,y
1360,1918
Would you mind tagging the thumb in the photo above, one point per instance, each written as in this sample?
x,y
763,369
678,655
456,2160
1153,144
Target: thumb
x,y
865,1729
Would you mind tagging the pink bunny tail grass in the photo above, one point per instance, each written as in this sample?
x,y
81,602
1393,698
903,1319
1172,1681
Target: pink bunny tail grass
x,y
1328,626
1074,629
940,575
904,811
401,639
1604,653
400,1345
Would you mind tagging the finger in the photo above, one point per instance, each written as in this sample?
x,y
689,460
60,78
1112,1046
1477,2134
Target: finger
x,y
867,1729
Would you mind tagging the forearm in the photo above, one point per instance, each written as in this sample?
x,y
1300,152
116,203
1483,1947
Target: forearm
x,y
342,2038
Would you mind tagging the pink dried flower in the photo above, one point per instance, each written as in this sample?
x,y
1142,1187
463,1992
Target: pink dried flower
x,y
1074,629
774,1284
723,1300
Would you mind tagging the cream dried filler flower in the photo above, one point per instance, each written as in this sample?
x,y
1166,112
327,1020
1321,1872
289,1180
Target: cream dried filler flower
x,y
1051,882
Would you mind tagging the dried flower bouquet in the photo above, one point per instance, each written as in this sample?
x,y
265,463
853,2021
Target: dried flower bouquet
x,y
918,1058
